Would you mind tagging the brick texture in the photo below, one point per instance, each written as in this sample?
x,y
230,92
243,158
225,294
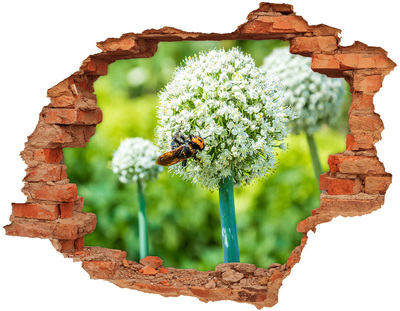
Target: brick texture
x,y
72,116
355,164
50,156
56,193
377,184
307,46
46,173
65,229
36,211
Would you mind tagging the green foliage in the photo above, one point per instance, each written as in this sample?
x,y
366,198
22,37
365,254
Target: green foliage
x,y
183,220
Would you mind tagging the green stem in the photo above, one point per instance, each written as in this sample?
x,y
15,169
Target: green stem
x,y
143,238
228,220
314,156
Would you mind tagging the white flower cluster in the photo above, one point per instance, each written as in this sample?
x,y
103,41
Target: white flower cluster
x,y
315,97
135,160
223,96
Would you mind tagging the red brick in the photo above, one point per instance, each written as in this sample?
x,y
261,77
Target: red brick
x,y
63,101
37,211
315,211
46,136
75,227
366,123
147,270
362,48
61,229
306,46
338,186
59,116
46,173
276,276
200,291
350,142
323,181
276,24
29,229
100,269
125,263
67,245
86,100
382,61
367,84
50,156
294,257
163,270
360,141
80,134
94,66
152,261
303,241
350,207
275,7
79,243
362,61
58,193
289,23
66,209
355,164
377,184
361,102
86,83
72,116
61,89
324,30
90,117
78,204
123,44
326,64
302,226
311,222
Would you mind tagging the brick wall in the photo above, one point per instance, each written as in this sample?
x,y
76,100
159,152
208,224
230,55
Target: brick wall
x,y
355,184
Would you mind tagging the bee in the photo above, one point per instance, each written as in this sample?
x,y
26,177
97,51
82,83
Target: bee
x,y
182,149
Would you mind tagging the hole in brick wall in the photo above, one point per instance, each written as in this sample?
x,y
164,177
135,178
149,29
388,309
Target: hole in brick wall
x,y
355,184
267,211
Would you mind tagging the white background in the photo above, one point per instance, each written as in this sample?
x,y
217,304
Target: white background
x,y
349,264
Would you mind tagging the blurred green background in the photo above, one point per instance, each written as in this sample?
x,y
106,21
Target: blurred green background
x,y
183,220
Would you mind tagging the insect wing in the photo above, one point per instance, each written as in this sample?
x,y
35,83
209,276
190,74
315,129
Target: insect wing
x,y
169,158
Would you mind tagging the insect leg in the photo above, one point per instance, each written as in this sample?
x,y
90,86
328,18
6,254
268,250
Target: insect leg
x,y
184,162
177,139
177,142
184,138
178,131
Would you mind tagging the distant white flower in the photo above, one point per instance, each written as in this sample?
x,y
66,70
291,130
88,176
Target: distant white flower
x,y
135,160
315,97
223,96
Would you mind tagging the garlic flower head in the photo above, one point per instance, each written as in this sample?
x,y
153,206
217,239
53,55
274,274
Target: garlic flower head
x,y
135,160
315,97
239,107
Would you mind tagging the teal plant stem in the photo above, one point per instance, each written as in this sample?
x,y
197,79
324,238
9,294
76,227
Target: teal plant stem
x,y
143,238
228,221
314,156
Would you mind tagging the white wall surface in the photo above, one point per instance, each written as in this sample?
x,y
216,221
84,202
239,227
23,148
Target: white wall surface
x,y
349,264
